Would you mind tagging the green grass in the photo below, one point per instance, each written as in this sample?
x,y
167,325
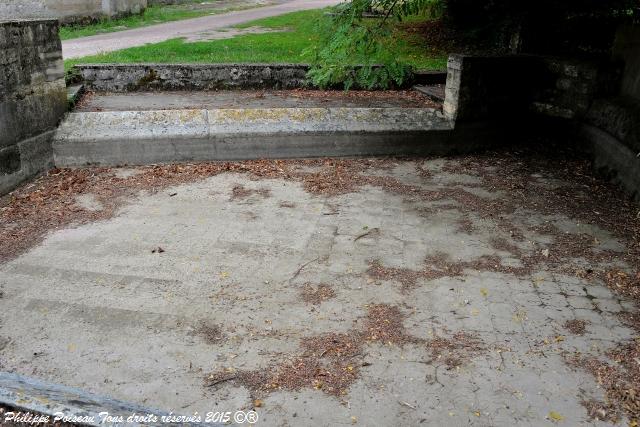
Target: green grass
x,y
151,16
291,45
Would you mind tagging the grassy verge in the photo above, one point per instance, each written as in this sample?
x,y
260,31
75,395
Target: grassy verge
x,y
293,44
152,15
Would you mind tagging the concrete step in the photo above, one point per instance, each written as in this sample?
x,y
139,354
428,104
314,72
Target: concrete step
x,y
164,136
434,92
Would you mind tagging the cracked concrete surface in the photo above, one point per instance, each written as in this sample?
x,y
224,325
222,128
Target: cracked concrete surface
x,y
94,307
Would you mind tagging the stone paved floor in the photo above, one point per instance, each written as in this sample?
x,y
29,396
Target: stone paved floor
x,y
457,309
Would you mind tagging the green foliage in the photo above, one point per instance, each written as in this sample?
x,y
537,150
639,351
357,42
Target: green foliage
x,y
293,39
354,49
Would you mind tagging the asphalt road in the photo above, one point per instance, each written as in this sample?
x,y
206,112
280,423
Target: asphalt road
x,y
109,42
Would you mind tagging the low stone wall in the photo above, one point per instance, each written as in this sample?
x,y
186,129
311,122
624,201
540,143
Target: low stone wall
x,y
134,77
69,10
165,2
483,87
595,98
611,126
627,50
32,98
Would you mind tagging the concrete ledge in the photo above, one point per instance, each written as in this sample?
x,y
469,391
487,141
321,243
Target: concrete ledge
x,y
116,138
614,158
42,398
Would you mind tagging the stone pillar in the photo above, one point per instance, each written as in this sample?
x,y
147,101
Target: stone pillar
x,y
32,98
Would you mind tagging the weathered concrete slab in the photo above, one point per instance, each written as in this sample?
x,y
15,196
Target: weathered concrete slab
x,y
143,137
97,306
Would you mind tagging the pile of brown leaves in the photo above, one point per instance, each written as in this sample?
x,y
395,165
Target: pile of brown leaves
x,y
317,294
457,350
576,326
332,362
239,192
621,380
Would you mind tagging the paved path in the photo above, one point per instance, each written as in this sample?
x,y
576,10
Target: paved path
x,y
92,45
401,298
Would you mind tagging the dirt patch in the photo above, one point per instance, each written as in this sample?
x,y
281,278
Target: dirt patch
x,y
408,278
601,411
456,351
438,266
317,294
384,323
620,380
210,333
240,192
575,326
404,98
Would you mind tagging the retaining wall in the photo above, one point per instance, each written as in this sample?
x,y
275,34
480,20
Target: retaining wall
x,y
32,98
145,77
132,77
611,127
165,2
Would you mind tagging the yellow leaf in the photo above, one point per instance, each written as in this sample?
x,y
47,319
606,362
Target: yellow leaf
x,y
556,417
484,292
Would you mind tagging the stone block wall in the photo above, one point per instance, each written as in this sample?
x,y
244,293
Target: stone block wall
x,y
567,87
32,98
594,97
488,87
627,50
138,77
165,2
483,88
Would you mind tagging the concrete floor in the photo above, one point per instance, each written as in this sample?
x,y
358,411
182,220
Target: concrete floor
x,y
188,28
143,101
92,306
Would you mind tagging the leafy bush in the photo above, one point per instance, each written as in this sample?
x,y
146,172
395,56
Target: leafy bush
x,y
354,49
535,26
